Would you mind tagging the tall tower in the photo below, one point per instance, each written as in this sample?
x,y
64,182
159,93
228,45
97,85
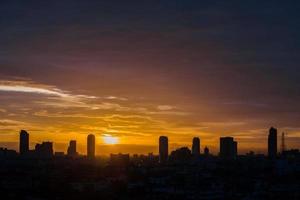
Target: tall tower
x,y
24,142
206,151
163,149
196,146
272,143
235,148
72,148
91,146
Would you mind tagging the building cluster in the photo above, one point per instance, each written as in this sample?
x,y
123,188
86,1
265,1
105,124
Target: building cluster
x,y
185,173
228,149
45,149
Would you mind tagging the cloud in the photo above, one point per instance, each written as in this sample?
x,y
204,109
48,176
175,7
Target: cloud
x,y
8,126
223,124
32,87
165,107
246,103
26,89
59,98
115,98
177,113
8,122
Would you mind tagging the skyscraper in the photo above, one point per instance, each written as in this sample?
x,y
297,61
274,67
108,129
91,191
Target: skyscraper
x,y
272,143
163,149
228,148
196,146
235,148
91,146
72,148
24,142
206,151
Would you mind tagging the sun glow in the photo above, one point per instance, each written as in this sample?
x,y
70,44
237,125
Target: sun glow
x,y
109,139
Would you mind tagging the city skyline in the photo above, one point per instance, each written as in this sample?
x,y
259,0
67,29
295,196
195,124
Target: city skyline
x,y
141,99
131,72
228,147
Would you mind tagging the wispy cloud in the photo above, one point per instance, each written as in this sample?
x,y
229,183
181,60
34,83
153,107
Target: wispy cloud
x,y
8,126
27,89
223,123
165,107
9,122
56,97
167,112
32,87
246,103
115,98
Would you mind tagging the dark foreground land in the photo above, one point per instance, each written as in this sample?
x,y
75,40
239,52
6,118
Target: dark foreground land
x,y
247,177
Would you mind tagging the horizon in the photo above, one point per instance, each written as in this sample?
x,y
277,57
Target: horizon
x,y
106,148
130,72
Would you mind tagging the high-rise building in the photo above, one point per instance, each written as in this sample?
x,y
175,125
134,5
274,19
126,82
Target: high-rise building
x,y
196,146
163,149
24,142
91,146
272,143
44,150
206,151
235,148
72,148
228,148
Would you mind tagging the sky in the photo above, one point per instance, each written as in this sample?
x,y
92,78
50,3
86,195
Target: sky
x,y
135,70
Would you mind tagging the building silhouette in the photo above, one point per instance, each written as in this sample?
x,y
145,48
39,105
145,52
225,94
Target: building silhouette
x,y
120,159
206,151
44,150
182,154
7,153
235,148
228,148
196,146
163,149
24,142
72,149
59,154
91,146
272,143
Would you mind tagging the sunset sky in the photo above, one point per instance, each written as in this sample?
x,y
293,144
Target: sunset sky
x,y
135,70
